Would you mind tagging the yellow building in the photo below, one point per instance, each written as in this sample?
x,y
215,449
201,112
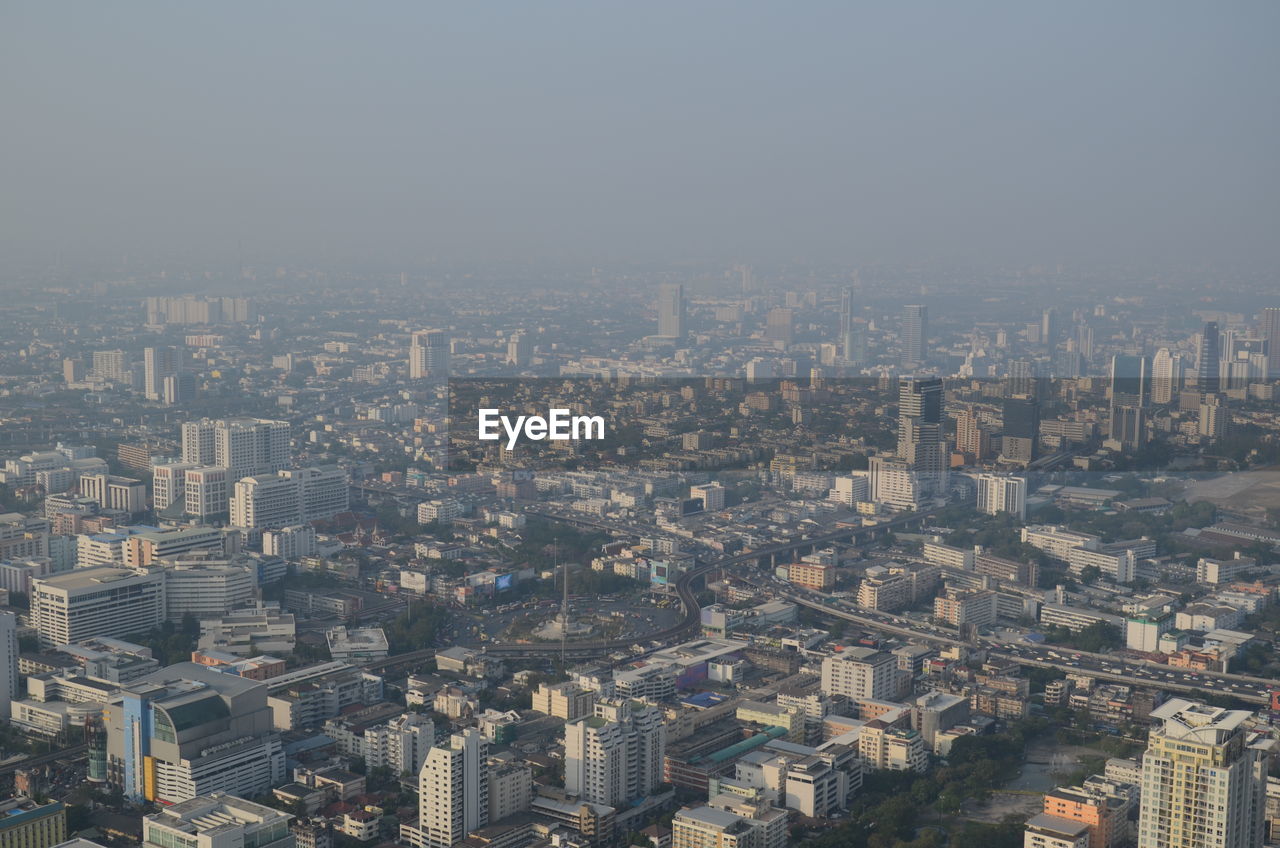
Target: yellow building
x,y
26,824
772,715
1203,779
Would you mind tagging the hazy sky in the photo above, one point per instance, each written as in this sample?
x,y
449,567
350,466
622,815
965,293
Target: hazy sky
x,y
392,133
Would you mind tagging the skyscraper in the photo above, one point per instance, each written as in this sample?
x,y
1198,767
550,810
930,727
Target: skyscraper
x,y
920,431
915,334
671,311
429,355
920,397
1203,784
1130,380
1166,376
1207,359
780,326
1050,327
1020,438
158,363
1270,332
453,791
1022,378
614,757
1084,342
853,337
8,660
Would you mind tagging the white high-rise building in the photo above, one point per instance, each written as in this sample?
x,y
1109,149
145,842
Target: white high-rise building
x,y
429,355
206,490
861,673
169,484
288,498
712,495
206,589
290,543
401,744
1203,782
96,601
1166,376
895,483
8,660
999,493
849,489
453,791
615,756
243,445
115,493
111,365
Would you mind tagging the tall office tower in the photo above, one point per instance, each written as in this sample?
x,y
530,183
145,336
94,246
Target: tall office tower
x,y
519,349
96,601
614,757
1050,327
8,660
1130,380
188,730
1128,427
1269,330
920,397
920,432
915,334
1208,360
1203,784
453,790
846,340
1022,378
671,311
159,362
1020,438
429,355
1166,376
747,278
1084,342
999,493
780,326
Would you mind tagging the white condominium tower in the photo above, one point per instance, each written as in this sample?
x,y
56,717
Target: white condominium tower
x,y
1203,782
453,791
999,493
615,756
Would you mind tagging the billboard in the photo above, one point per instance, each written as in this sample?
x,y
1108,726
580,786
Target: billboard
x,y
503,583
